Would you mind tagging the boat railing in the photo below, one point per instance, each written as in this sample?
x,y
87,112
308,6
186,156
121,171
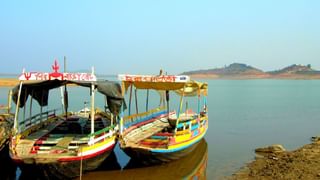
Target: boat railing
x,y
101,134
38,118
140,117
191,125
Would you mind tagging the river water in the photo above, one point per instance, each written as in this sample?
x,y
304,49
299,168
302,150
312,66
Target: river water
x,y
243,115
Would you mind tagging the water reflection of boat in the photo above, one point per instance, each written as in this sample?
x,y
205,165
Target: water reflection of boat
x,y
63,144
191,166
7,166
163,134
36,172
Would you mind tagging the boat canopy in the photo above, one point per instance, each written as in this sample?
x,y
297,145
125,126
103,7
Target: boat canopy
x,y
193,88
182,85
40,92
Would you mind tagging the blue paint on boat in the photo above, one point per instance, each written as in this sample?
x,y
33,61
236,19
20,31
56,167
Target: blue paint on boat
x,y
176,149
195,133
127,125
159,137
194,127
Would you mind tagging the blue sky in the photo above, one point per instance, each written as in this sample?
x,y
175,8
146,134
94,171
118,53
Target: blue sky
x,y
140,37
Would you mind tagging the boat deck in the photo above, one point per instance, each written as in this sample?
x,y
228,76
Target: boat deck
x,y
141,133
60,138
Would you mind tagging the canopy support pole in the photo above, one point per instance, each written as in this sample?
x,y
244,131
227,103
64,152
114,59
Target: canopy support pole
x,y
122,112
24,109
136,100
41,109
92,105
199,101
130,98
65,95
147,101
121,121
167,99
62,99
16,124
9,101
179,110
30,112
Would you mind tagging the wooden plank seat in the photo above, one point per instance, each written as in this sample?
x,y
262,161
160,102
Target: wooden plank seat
x,y
63,143
145,131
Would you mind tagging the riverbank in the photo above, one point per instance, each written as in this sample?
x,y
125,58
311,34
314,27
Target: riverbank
x,y
8,82
303,163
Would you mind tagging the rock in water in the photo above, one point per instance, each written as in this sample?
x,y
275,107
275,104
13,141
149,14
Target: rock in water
x,y
275,148
315,139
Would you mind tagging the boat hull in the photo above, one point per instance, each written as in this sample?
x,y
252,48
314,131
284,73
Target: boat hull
x,y
64,169
147,157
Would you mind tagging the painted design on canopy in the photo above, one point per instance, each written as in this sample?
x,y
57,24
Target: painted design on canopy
x,y
182,85
56,75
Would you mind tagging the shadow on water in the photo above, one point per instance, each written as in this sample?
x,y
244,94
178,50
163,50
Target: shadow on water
x,y
192,166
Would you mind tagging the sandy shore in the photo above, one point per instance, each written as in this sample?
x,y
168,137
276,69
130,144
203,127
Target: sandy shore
x,y
303,163
8,82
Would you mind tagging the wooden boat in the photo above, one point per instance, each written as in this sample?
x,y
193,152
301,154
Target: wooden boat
x,y
63,145
163,134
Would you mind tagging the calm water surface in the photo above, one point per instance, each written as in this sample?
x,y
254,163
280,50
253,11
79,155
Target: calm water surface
x,y
243,115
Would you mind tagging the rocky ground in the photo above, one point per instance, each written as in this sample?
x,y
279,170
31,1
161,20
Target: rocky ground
x,y
276,163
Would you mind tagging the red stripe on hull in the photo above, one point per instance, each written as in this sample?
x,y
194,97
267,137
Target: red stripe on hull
x,y
68,159
86,156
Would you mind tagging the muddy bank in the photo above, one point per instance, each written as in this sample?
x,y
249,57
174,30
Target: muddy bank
x,y
303,163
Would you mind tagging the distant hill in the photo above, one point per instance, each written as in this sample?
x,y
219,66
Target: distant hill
x,y
295,69
243,71
235,70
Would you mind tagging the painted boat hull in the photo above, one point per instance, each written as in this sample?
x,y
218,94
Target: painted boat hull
x,y
62,170
148,157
